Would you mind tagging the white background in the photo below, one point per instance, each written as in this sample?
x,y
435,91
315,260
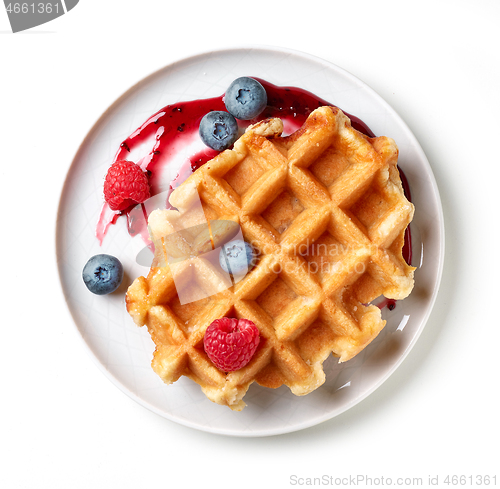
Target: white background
x,y
64,425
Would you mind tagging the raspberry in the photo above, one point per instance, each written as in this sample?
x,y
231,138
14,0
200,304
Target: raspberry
x,y
125,185
231,343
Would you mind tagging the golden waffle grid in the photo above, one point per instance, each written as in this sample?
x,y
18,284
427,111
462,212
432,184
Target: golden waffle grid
x,y
326,210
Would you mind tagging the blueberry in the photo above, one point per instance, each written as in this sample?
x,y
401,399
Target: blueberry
x,y
102,274
237,256
218,130
245,98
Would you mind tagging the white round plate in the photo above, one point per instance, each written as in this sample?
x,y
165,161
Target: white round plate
x,y
123,351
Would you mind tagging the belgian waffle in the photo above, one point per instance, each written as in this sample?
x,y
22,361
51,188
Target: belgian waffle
x,y
325,208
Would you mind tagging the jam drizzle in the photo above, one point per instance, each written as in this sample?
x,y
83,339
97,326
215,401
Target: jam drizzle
x,y
407,246
389,303
174,127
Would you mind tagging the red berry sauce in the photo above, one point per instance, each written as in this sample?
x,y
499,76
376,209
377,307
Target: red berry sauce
x,y
389,303
169,139
170,133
